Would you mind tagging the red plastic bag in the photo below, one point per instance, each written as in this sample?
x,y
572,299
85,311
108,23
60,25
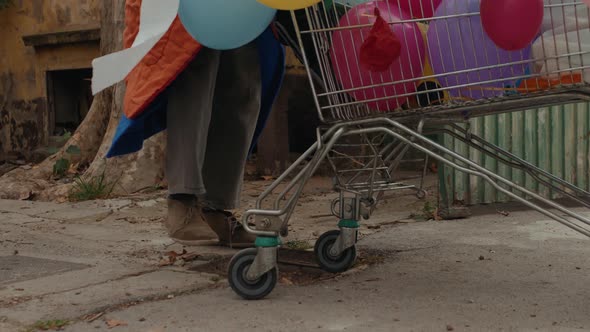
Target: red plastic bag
x,y
381,47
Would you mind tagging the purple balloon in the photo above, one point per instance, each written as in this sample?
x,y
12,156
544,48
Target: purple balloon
x,y
459,43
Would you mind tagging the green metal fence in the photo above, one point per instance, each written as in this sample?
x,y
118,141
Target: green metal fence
x,y
556,139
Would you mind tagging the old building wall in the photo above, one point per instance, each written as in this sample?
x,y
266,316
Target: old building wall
x,y
24,117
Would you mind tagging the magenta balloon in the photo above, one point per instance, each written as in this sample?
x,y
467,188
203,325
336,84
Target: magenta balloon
x,y
345,51
460,43
512,24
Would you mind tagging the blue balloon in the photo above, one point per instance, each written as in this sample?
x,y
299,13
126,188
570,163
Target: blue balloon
x,y
225,24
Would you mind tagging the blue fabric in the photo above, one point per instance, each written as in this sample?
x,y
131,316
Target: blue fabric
x,y
131,133
272,60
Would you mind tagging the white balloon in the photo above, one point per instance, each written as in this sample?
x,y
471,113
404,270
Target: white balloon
x,y
554,44
565,31
561,16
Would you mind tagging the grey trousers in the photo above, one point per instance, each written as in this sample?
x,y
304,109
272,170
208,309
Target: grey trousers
x,y
212,113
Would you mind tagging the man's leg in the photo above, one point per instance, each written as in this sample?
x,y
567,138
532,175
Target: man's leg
x,y
190,102
235,113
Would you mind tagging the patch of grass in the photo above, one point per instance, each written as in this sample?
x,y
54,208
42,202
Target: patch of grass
x,y
60,167
49,325
66,136
298,245
429,211
97,187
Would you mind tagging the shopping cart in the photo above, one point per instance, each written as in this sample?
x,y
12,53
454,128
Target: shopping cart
x,y
447,73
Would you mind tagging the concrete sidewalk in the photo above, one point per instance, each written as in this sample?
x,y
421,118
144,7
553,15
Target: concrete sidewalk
x,y
516,273
108,264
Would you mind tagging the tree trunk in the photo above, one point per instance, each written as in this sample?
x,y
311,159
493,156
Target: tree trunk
x,y
130,173
93,137
136,171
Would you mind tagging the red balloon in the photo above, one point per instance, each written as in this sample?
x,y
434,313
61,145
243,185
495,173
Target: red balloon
x,y
420,8
512,24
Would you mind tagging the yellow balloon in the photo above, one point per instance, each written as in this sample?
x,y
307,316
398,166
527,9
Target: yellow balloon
x,y
288,4
428,71
427,67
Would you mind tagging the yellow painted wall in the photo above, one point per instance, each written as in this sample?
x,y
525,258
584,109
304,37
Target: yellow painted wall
x,y
23,100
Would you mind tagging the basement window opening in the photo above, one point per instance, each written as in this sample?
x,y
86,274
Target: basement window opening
x,y
69,97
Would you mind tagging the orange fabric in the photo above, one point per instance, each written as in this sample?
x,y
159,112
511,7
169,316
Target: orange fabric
x,y
539,84
160,66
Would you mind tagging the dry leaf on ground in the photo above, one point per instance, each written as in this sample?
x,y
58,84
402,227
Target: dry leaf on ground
x,y
112,323
92,318
171,257
286,281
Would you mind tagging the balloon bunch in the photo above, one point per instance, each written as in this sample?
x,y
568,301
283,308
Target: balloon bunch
x,y
471,49
229,24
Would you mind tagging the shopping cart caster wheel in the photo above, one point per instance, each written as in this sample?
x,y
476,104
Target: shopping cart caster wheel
x,y
239,282
421,194
329,262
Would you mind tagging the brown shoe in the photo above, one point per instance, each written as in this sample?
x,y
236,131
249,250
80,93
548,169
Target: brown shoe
x,y
185,223
230,232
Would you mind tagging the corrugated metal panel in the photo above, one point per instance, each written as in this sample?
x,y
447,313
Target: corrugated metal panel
x,y
556,139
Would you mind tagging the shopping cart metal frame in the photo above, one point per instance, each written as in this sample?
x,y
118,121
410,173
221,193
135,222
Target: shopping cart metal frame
x,y
253,273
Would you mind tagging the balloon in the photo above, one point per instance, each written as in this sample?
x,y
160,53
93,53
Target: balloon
x,y
562,18
287,4
458,43
420,8
380,48
352,3
416,8
429,98
512,24
225,24
549,53
345,50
